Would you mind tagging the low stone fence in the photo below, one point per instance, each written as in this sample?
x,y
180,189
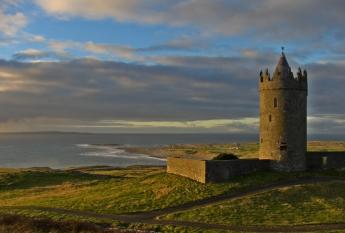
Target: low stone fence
x,y
190,168
224,170
206,171
325,160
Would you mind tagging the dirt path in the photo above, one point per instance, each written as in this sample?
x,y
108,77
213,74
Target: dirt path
x,y
150,217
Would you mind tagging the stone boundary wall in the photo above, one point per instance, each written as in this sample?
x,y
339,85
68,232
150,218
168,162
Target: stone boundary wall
x,y
190,168
214,171
224,170
325,160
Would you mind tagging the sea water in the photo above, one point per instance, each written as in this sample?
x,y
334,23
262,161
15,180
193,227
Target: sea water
x,y
64,150
59,150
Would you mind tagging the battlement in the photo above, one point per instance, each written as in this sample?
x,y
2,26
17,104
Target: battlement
x,y
283,79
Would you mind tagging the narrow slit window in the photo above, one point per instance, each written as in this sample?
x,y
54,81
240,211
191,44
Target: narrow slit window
x,y
275,102
283,146
270,118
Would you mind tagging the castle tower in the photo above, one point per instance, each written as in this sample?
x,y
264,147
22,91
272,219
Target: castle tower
x,y
283,117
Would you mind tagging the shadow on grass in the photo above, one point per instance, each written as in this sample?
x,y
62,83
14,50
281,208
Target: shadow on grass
x,y
15,223
30,179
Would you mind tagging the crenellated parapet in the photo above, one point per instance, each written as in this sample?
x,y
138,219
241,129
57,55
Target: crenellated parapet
x,y
284,79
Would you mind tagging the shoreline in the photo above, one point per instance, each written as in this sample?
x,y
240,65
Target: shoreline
x,y
193,151
209,151
78,169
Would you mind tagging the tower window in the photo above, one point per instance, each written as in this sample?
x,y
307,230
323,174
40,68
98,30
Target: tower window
x,y
283,146
262,140
275,102
270,118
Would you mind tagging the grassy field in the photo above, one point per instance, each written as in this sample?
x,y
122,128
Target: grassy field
x,y
200,151
114,191
24,224
326,146
306,204
242,150
107,191
20,224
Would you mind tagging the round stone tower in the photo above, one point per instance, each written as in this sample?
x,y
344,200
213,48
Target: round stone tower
x,y
283,117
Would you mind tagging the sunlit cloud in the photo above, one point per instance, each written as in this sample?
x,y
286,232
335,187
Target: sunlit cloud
x,y
115,50
37,38
35,55
207,124
286,18
10,24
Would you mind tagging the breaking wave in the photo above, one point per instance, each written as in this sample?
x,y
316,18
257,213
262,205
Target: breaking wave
x,y
114,151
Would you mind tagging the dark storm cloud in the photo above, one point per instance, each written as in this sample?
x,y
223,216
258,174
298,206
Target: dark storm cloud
x,y
174,89
328,124
326,84
181,88
98,89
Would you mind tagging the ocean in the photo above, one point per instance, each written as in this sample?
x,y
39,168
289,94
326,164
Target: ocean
x,y
65,150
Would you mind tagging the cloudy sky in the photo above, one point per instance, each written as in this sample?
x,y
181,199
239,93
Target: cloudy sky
x,y
163,65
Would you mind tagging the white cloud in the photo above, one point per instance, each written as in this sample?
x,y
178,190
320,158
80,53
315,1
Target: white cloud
x,y
35,55
261,18
115,50
124,52
243,125
37,38
10,24
98,9
61,46
250,53
207,124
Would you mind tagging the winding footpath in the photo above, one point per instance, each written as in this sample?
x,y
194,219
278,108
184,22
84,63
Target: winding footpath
x,y
152,217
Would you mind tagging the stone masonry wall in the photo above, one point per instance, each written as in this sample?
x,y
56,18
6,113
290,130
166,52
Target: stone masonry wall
x,y
190,168
325,160
224,170
214,170
283,128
